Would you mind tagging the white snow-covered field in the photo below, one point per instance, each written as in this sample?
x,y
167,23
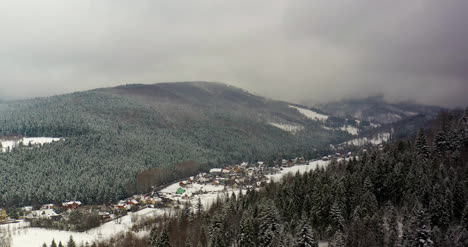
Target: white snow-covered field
x,y
350,129
310,114
380,138
24,236
299,168
26,140
287,127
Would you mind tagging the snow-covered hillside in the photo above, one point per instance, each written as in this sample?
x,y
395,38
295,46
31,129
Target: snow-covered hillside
x,y
378,139
350,129
288,127
8,144
310,114
299,168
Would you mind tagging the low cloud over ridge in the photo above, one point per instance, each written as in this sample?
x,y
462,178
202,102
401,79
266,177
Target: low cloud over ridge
x,y
301,51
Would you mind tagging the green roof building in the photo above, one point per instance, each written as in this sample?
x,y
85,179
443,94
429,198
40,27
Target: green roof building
x,y
180,191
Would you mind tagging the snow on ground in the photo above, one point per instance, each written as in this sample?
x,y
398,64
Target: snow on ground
x,y
323,243
26,140
287,127
380,138
209,193
310,114
347,128
298,168
350,129
23,236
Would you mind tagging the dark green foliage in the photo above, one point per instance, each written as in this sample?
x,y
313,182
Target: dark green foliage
x,y
115,138
153,238
305,236
248,235
71,242
270,228
387,197
421,145
163,240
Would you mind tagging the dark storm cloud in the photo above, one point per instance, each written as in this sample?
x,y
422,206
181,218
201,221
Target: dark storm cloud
x,y
302,51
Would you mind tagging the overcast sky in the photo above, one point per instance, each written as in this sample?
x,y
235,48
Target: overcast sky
x,y
296,50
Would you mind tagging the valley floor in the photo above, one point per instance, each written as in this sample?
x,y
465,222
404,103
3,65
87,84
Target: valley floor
x,y
22,235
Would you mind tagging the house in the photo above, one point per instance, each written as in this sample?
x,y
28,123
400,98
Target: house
x,y
44,214
71,204
132,202
47,206
288,163
216,170
104,215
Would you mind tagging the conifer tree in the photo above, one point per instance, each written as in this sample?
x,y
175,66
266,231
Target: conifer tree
x,y
270,227
199,207
421,144
337,216
53,244
338,240
217,238
419,232
153,239
247,230
163,239
305,236
71,242
464,221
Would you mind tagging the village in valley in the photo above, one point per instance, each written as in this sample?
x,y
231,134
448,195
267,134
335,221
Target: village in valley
x,y
206,187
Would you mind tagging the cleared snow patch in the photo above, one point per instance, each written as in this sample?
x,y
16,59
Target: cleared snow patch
x,y
347,128
350,129
10,144
310,114
298,168
380,138
288,127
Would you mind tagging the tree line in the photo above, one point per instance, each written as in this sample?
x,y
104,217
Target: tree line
x,y
409,193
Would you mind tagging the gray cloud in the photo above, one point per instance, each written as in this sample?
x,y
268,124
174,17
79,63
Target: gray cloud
x,y
301,51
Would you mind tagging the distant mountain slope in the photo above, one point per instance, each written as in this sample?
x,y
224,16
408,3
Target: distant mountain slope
x,y
377,110
112,134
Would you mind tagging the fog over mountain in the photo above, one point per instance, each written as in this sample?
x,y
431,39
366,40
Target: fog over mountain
x,y
301,51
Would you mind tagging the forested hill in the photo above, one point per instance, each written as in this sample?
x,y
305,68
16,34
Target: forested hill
x,y
376,109
112,134
406,193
